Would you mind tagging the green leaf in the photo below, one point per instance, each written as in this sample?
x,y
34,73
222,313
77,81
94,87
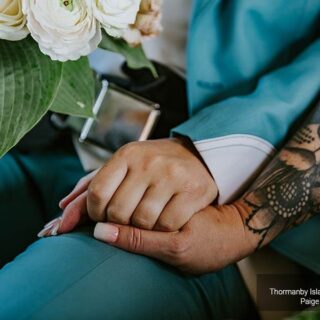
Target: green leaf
x,y
28,83
31,84
76,91
135,56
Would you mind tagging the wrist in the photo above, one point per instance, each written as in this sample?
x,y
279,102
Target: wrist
x,y
187,143
250,225
232,239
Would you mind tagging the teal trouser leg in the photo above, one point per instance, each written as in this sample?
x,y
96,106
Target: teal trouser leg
x,y
30,189
74,276
20,218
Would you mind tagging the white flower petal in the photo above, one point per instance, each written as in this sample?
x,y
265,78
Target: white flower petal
x,y
12,20
63,33
116,15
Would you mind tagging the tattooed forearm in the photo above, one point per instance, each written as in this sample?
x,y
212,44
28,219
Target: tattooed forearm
x,y
287,193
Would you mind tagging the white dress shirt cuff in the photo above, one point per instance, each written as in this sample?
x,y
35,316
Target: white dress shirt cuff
x,y
234,161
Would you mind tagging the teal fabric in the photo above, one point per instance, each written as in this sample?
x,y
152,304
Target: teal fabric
x,y
30,189
302,244
253,67
74,276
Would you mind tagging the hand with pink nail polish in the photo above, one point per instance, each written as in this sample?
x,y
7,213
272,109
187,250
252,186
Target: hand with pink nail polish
x,y
153,185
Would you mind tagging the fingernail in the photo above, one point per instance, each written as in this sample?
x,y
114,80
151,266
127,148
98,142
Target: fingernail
x,y
56,227
51,228
106,232
44,232
50,223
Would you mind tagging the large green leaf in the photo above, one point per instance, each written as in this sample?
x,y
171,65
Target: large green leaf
x,y
135,56
28,83
76,89
31,83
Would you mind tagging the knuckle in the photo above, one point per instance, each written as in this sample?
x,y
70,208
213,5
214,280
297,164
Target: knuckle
x,y
157,185
150,160
142,221
195,187
114,214
128,149
167,225
179,251
135,240
82,182
95,216
191,187
176,171
198,186
155,159
95,194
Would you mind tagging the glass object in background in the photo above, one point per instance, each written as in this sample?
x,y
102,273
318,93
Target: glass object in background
x,y
121,117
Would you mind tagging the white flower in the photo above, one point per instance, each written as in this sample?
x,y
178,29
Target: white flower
x,y
12,21
147,24
116,15
64,29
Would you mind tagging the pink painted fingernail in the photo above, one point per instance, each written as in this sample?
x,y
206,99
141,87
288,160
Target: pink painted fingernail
x,y
106,232
50,223
44,232
56,227
51,228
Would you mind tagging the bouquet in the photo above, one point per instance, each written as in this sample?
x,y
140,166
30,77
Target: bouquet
x,y
44,46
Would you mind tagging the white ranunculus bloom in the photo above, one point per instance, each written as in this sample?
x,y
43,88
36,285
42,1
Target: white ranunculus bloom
x,y
116,15
12,21
64,29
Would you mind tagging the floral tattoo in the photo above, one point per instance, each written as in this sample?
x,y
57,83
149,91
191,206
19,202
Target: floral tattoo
x,y
287,193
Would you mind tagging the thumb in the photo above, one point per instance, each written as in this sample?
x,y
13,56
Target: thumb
x,y
150,243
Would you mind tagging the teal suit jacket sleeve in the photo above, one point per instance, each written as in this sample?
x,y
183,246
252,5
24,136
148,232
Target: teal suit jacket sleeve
x,y
269,111
253,70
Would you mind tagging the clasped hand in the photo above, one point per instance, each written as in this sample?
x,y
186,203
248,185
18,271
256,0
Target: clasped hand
x,y
153,198
153,185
